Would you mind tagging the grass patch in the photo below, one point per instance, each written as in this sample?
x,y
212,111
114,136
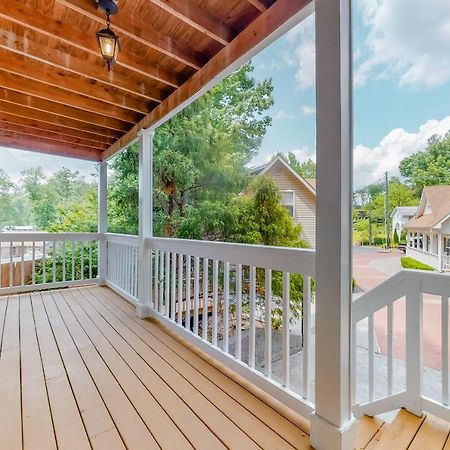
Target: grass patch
x,y
411,263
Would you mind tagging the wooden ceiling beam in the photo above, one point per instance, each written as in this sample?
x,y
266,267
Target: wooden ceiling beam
x,y
32,143
258,4
62,79
92,70
198,18
47,126
142,33
40,104
31,131
54,119
19,13
259,30
30,87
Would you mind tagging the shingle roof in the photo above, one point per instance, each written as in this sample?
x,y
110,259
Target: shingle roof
x,y
439,200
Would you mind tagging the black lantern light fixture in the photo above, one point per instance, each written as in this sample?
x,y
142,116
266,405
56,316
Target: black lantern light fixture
x,y
107,40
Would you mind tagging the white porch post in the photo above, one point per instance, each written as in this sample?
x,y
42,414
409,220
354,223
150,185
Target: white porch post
x,y
102,221
332,423
439,251
144,305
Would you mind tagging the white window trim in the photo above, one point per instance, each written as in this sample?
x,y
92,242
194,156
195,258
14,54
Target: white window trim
x,y
289,191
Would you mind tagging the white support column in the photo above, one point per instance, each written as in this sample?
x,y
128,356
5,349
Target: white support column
x,y
440,240
145,297
102,221
332,423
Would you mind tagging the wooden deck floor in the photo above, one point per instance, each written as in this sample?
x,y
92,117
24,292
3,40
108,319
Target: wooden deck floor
x,y
78,370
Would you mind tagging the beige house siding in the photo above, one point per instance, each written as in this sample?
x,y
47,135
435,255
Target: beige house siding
x,y
304,200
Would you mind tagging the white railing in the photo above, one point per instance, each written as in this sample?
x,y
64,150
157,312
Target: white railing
x,y
445,262
385,383
122,264
239,303
32,261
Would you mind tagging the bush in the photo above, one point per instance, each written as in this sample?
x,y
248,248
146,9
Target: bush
x,y
411,263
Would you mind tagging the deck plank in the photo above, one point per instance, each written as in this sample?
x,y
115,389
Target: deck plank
x,y
100,427
128,422
132,379
144,341
38,430
10,389
201,372
401,431
432,434
367,428
69,428
182,394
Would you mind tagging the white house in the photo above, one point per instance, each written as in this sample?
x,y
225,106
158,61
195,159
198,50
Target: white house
x,y
297,194
428,238
400,217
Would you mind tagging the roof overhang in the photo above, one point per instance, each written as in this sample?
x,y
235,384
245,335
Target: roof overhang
x,y
58,98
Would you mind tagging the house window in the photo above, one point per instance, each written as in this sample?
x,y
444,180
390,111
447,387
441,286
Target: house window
x,y
287,200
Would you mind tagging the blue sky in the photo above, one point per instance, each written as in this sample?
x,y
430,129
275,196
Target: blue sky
x,y
401,94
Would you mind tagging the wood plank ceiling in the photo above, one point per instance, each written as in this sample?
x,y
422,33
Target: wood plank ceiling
x,y
56,94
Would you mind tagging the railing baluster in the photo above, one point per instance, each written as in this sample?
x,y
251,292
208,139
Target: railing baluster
x,y
306,333
167,299
268,323
11,264
444,337
174,286
371,356
156,286
161,282
22,265
73,259
136,271
215,300
33,263
226,306
239,311
90,260
196,292
63,260
390,347
187,318
205,300
354,363
44,264
54,261
285,329
252,319
82,260
180,289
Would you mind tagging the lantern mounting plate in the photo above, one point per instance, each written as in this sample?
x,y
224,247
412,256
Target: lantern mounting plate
x,y
109,6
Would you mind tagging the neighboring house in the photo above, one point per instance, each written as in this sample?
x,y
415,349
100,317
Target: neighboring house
x,y
428,238
400,217
297,194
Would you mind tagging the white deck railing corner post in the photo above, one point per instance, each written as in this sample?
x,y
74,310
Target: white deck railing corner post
x,y
102,260
144,305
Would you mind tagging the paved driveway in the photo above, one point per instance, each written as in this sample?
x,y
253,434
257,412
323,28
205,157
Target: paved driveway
x,y
370,268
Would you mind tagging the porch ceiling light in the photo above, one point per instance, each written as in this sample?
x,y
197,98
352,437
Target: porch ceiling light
x,y
108,41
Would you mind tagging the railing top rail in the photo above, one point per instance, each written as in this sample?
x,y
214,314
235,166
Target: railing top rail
x,y
48,237
125,239
286,259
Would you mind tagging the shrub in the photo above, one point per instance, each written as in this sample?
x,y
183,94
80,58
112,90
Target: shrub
x,y
411,263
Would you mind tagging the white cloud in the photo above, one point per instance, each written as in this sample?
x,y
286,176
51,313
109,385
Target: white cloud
x,y
371,163
408,40
301,53
15,161
308,110
280,115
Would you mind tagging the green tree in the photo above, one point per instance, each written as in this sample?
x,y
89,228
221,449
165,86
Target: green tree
x,y
307,169
430,166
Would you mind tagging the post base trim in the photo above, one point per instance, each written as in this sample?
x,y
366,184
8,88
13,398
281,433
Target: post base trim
x,y
326,436
143,311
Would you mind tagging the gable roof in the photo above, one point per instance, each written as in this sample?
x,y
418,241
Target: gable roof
x,y
438,197
406,210
309,183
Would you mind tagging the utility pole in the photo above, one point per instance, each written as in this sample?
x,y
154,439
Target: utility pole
x,y
386,209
